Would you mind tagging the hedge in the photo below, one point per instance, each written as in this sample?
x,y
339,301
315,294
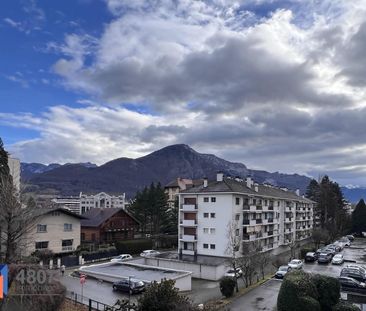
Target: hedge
x,y
344,306
133,246
309,304
328,291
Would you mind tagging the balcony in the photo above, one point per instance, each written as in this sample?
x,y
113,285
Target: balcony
x,y
188,238
246,207
259,207
269,233
288,219
188,223
68,248
188,252
249,237
189,207
270,220
270,207
246,221
258,221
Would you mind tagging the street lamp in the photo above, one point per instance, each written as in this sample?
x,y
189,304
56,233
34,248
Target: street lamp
x,y
129,287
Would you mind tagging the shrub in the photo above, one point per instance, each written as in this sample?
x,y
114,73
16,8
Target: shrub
x,y
227,286
133,246
328,290
297,293
345,306
163,296
309,304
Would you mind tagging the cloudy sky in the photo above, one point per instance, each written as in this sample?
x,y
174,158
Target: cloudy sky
x,y
276,85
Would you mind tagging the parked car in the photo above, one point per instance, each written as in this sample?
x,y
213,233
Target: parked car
x,y
281,272
350,237
336,247
351,284
149,253
330,251
340,244
353,266
338,259
133,286
121,257
234,273
311,256
354,273
325,258
346,241
295,264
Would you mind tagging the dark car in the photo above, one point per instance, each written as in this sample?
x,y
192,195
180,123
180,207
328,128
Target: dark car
x,y
133,286
351,284
354,273
324,258
336,247
311,256
329,250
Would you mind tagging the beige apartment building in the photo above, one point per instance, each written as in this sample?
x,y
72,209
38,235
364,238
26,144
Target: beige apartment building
x,y
14,167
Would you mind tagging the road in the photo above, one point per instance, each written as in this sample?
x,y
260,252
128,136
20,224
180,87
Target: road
x,y
264,297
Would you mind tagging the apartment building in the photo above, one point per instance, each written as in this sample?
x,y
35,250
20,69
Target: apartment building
x,y
14,168
213,211
85,202
173,188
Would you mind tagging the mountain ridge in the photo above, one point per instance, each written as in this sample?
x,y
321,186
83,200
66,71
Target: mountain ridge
x,y
163,165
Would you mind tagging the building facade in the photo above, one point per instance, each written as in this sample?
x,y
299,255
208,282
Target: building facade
x,y
85,202
173,188
210,214
14,167
102,226
56,229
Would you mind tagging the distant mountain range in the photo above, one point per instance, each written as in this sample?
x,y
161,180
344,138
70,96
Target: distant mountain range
x,y
130,175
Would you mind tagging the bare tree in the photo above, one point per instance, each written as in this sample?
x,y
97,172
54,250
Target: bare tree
x,y
263,259
233,235
293,246
248,262
15,221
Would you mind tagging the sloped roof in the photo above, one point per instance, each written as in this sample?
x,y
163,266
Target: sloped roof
x,y
232,185
97,216
44,211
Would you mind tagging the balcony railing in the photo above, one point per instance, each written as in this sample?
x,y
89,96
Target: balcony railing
x,y
259,207
67,248
188,222
258,221
269,233
189,207
188,237
245,221
270,207
270,220
246,207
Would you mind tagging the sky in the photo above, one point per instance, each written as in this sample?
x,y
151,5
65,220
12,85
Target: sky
x,y
276,85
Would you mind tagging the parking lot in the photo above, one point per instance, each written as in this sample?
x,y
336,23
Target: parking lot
x,y
264,297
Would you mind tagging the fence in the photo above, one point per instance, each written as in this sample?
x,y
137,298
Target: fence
x,y
94,305
99,256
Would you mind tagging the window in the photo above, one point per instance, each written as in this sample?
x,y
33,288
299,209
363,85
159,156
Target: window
x,y
41,228
212,246
205,215
206,199
67,227
213,199
205,230
67,242
83,236
237,201
237,232
212,230
93,237
254,201
42,245
55,213
213,215
205,245
237,216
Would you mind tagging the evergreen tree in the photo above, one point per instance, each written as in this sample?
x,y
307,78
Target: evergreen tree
x,y
313,191
359,217
4,168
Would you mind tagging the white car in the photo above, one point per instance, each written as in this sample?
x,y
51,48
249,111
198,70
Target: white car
x,y
121,257
353,266
295,264
338,259
149,253
231,273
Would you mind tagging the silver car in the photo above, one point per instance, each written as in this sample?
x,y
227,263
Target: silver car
x,y
281,272
295,264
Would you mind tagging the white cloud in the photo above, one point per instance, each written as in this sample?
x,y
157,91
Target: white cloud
x,y
284,92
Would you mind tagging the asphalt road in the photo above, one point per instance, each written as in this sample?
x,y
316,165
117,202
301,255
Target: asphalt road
x,y
264,297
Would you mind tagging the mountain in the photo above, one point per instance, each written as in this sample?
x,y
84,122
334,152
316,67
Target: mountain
x,y
29,170
354,194
130,175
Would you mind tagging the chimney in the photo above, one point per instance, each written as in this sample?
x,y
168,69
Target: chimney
x,y
220,176
205,182
255,187
248,180
297,192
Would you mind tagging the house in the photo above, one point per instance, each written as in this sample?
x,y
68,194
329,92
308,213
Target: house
x,y
55,229
209,214
107,225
